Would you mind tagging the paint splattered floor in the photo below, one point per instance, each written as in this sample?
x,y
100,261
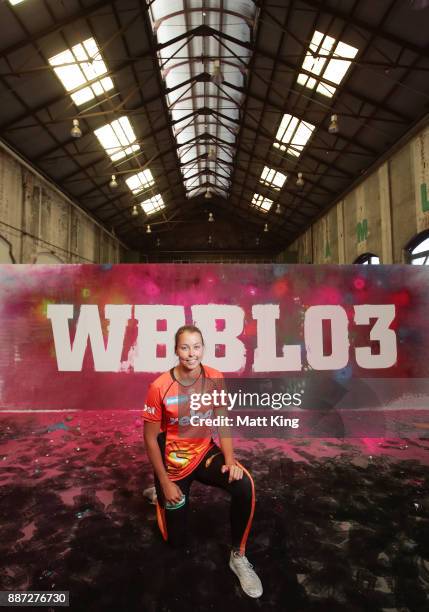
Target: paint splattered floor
x,y
339,525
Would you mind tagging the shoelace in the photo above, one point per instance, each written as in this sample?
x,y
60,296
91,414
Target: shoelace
x,y
247,566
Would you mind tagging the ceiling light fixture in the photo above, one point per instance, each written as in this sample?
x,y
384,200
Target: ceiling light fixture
x,y
266,227
211,218
333,126
158,242
300,181
211,155
208,194
257,241
216,76
135,211
278,209
210,240
76,132
148,230
113,182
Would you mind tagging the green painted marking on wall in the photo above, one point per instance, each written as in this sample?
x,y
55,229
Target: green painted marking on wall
x,y
424,196
327,250
362,230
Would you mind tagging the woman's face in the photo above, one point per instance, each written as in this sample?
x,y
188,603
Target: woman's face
x,y
190,350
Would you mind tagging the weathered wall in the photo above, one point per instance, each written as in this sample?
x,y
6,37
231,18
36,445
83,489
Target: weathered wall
x,y
380,216
38,225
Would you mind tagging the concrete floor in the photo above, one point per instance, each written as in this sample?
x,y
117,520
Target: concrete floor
x,y
339,524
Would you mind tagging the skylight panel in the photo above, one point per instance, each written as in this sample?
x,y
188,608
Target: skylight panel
x,y
153,205
273,178
292,135
141,181
261,203
80,65
331,69
118,138
13,2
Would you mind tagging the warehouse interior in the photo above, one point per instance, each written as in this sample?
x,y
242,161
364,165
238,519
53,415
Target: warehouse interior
x,y
213,132
218,131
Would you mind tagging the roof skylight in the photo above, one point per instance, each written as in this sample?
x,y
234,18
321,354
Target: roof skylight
x,y
261,203
293,134
13,2
328,68
141,181
153,205
273,178
80,65
118,138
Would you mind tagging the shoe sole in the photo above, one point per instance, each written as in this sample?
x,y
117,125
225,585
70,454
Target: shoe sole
x,y
232,568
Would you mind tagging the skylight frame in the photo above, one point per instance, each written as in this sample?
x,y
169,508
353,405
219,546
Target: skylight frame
x,y
261,203
137,183
83,79
325,67
293,135
122,136
154,204
273,178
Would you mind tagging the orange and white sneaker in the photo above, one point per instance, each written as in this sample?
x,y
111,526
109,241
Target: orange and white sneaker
x,y
249,579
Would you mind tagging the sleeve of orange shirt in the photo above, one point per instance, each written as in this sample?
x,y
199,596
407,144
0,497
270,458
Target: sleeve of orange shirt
x,y
152,410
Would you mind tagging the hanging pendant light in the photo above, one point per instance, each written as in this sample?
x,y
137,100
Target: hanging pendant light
x,y
333,126
216,76
148,230
266,227
135,211
208,194
211,218
278,209
76,132
113,182
300,181
211,155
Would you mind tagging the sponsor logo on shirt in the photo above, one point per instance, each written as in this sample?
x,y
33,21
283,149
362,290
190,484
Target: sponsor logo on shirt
x,y
176,399
186,420
148,409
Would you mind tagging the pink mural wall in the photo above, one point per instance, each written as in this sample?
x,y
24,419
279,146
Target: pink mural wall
x,y
93,337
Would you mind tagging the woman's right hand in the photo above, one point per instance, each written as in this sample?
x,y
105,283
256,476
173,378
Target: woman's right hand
x,y
172,493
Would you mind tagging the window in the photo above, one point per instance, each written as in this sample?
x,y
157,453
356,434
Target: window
x,y
292,135
153,205
323,67
418,249
118,138
261,203
13,2
273,178
141,181
80,65
367,258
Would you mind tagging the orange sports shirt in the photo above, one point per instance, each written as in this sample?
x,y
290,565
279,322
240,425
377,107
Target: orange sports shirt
x,y
168,402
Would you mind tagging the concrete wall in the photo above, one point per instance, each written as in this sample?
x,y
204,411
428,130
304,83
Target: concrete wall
x,y
40,225
380,216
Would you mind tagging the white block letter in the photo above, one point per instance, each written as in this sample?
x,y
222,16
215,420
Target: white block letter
x,y
145,359
266,359
384,313
235,352
313,333
70,359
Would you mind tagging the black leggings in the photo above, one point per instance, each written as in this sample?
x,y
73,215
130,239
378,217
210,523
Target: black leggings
x,y
173,522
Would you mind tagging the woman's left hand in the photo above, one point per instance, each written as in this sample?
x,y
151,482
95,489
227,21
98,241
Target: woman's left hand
x,y
235,471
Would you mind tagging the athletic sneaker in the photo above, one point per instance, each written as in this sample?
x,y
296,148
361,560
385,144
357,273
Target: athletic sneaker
x,y
243,569
150,494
